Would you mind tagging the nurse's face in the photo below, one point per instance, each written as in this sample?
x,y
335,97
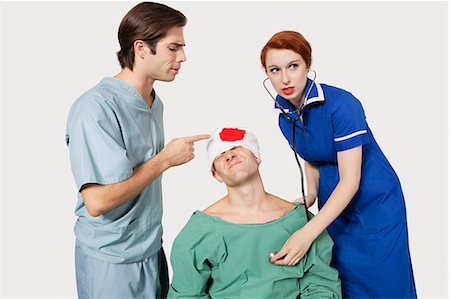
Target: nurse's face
x,y
166,63
287,71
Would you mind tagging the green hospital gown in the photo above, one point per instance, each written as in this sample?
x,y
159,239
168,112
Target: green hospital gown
x,y
213,258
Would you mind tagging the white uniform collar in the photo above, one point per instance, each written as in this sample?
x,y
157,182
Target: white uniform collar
x,y
316,94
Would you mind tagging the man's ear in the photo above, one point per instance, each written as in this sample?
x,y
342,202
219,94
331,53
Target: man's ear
x,y
139,48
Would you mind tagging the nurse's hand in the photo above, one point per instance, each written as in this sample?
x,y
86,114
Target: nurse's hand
x,y
310,200
294,249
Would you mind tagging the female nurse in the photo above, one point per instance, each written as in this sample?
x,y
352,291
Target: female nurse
x,y
359,195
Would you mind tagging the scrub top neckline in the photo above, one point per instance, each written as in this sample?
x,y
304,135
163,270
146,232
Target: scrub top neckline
x,y
271,222
130,88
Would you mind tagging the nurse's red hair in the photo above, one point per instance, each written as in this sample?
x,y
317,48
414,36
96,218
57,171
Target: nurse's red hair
x,y
290,40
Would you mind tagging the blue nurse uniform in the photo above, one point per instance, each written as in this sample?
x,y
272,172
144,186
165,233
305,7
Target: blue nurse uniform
x,y
371,248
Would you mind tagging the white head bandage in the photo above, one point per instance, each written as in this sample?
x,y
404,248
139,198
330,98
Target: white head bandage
x,y
224,139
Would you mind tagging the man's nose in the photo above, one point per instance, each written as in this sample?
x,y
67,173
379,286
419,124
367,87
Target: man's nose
x,y
230,155
181,56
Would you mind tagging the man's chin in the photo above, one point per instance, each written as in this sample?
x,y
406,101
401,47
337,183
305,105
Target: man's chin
x,y
168,79
238,180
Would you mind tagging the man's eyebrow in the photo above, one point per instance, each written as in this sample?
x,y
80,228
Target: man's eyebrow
x,y
177,44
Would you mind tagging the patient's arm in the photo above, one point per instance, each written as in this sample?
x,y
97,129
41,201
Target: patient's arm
x,y
195,251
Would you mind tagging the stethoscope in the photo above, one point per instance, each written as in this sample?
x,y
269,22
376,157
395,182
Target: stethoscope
x,y
293,120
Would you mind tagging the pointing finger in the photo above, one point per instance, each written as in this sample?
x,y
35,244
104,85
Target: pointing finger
x,y
199,137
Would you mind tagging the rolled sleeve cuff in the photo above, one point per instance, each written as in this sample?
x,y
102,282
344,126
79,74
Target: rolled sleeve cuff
x,y
103,181
351,140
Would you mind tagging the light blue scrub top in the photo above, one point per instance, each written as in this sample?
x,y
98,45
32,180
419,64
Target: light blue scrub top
x,y
110,131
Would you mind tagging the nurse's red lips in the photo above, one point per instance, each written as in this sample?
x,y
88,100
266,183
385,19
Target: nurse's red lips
x,y
288,90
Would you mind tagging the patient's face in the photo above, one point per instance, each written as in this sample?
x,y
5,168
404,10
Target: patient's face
x,y
235,166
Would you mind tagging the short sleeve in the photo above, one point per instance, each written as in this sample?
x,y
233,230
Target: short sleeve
x,y
97,152
349,123
196,251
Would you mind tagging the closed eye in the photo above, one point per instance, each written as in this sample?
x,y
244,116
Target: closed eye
x,y
175,47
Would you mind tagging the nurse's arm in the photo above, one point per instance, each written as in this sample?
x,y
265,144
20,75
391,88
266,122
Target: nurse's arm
x,y
349,166
312,179
100,199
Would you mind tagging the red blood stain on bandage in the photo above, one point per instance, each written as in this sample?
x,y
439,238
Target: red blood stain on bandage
x,y
232,134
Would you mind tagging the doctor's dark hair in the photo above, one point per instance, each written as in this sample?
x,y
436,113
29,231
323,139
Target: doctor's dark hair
x,y
290,40
149,22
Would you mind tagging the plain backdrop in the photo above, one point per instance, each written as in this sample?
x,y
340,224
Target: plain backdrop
x,y
393,56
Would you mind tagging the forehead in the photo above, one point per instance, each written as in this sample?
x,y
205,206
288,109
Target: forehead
x,y
281,56
174,36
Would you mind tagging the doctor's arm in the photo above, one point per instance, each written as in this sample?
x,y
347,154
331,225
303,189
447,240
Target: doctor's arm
x,y
100,199
349,165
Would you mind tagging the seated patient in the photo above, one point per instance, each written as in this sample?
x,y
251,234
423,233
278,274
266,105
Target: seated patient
x,y
223,252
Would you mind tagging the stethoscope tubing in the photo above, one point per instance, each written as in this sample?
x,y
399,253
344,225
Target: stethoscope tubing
x,y
294,146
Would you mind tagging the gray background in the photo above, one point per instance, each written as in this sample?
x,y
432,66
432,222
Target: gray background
x,y
392,55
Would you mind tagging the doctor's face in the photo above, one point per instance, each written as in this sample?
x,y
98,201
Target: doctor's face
x,y
287,72
166,63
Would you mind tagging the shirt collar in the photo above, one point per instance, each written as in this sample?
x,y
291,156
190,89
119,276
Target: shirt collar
x,y
315,96
133,96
